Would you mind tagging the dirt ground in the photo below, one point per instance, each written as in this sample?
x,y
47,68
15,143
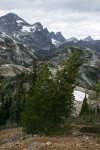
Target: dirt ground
x,y
15,139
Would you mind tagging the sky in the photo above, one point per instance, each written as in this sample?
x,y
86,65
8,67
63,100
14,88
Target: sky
x,y
74,18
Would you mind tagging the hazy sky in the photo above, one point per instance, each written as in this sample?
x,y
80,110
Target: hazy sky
x,y
79,18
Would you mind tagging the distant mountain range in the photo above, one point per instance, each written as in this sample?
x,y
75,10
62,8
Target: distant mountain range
x,y
34,38
14,26
21,42
40,37
75,40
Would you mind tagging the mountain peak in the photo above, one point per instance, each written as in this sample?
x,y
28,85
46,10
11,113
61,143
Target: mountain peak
x,y
72,39
11,16
60,37
53,34
38,26
88,39
12,23
59,33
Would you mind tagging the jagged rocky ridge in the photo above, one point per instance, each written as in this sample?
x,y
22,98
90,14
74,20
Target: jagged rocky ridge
x,y
34,35
21,42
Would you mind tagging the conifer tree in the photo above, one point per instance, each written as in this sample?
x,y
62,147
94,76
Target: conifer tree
x,y
66,82
52,98
97,89
33,76
2,110
85,108
17,105
36,117
5,108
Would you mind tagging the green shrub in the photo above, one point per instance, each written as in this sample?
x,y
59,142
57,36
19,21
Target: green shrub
x,y
92,129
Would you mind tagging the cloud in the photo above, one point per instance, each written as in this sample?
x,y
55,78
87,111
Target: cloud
x,y
53,5
72,17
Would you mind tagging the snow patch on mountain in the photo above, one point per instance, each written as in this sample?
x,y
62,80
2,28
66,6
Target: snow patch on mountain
x,y
79,96
55,42
26,29
3,34
19,21
30,29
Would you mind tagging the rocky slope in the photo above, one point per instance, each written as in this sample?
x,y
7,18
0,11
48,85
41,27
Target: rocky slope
x,y
14,52
11,70
11,139
89,71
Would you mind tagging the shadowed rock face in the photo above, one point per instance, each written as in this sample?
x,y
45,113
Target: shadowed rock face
x,y
58,36
9,24
38,26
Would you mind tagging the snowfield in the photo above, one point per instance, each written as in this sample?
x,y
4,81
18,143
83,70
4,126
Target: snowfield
x,y
19,21
79,96
55,42
28,29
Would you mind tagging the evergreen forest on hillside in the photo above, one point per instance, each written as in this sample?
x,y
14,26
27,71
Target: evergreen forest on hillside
x,y
40,102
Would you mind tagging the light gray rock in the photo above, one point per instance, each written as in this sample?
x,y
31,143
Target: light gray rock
x,y
48,143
